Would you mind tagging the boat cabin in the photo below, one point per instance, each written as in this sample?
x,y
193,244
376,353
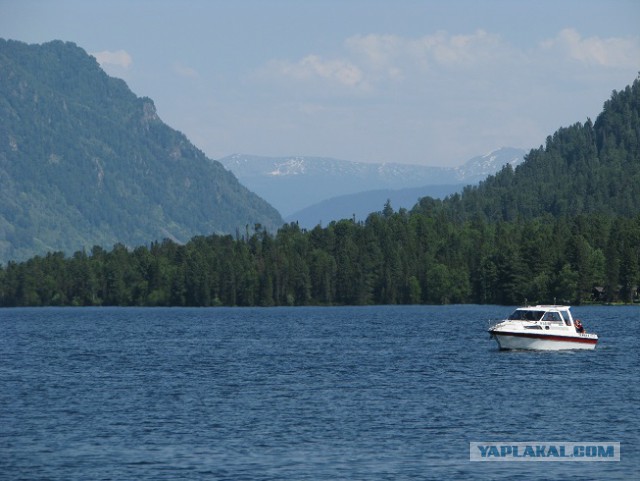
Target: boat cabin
x,y
546,315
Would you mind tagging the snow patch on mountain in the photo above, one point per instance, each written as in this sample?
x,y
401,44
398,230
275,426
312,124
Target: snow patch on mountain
x,y
293,166
293,183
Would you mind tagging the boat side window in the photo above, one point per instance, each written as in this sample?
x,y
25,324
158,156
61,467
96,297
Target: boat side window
x,y
516,316
567,321
525,315
553,317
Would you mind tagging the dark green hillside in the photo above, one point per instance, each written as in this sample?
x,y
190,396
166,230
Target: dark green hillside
x,y
583,169
391,258
84,161
563,227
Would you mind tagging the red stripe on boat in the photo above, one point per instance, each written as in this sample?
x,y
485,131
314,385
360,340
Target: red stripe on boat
x,y
584,340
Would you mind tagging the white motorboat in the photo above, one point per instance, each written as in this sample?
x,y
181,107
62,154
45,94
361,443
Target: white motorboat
x,y
542,328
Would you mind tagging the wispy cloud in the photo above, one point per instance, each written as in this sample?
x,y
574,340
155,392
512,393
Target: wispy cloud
x,y
393,53
118,58
452,94
313,67
604,52
395,58
368,61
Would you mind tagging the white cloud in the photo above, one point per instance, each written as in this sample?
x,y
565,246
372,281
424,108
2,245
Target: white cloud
x,y
605,52
371,60
467,50
119,58
312,67
379,52
395,55
451,95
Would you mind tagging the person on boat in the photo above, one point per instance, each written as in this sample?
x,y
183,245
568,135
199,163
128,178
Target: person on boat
x,y
579,327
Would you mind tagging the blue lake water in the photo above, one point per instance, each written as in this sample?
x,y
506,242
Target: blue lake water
x,y
344,393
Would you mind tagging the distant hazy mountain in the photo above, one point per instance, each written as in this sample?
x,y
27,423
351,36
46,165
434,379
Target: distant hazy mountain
x,y
84,162
362,204
293,183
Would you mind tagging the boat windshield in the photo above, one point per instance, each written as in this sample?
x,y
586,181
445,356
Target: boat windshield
x,y
526,315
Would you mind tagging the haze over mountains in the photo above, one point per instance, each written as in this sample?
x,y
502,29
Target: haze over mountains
x,y
316,189
84,162
562,225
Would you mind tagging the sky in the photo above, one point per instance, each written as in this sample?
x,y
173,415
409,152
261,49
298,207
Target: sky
x,y
431,82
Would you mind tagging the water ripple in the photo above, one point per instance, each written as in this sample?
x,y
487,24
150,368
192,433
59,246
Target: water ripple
x,y
303,394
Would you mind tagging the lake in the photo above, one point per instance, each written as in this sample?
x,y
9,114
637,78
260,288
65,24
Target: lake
x,y
308,393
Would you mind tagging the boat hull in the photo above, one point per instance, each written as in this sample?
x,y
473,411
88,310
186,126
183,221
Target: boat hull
x,y
542,342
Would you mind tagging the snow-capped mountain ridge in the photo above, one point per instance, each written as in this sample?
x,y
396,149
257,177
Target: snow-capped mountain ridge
x,y
478,168
294,182
244,166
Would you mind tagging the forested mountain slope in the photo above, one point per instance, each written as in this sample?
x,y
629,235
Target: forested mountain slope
x,y
84,161
583,169
563,227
